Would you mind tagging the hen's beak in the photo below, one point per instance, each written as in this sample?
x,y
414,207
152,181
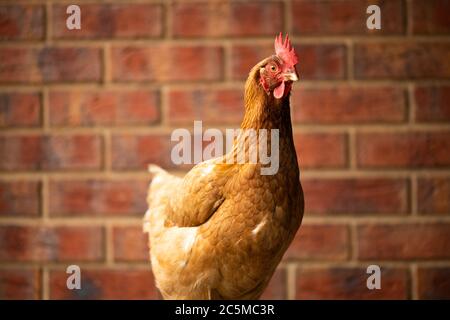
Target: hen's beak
x,y
290,75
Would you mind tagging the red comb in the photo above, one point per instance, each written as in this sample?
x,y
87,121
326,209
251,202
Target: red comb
x,y
285,51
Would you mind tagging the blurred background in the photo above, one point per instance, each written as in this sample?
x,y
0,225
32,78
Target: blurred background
x,y
82,113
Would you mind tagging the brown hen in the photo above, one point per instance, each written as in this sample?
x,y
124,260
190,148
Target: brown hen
x,y
220,232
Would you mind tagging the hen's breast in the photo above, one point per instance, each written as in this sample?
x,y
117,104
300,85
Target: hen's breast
x,y
251,230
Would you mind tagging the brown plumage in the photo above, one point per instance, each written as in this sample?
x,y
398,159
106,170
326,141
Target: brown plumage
x,y
220,232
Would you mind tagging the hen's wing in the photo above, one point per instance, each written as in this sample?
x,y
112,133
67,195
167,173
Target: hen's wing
x,y
190,201
199,194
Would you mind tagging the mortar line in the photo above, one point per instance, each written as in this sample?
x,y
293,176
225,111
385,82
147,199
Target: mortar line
x,y
45,215
168,34
109,247
164,107
217,41
413,195
411,104
414,281
350,61
305,264
166,129
107,152
306,173
287,9
217,84
409,19
48,23
45,283
106,65
45,110
354,252
291,278
87,220
227,65
351,149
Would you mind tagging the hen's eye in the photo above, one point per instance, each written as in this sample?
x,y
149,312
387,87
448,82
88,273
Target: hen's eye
x,y
273,68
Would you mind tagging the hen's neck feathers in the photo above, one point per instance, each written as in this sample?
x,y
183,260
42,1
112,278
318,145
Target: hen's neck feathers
x,y
262,110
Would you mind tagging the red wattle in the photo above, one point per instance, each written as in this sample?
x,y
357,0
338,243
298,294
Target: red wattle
x,y
279,91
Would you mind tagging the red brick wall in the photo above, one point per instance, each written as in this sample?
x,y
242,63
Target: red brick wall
x,y
83,112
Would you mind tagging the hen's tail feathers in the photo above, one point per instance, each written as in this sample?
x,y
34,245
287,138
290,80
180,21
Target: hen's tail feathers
x,y
158,193
154,169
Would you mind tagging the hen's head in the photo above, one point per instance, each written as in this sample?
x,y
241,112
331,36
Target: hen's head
x,y
278,73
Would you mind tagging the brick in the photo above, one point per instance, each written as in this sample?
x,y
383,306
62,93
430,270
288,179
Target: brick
x,y
317,62
137,151
321,150
22,22
349,283
348,105
345,17
405,241
110,21
412,149
106,107
244,57
18,284
20,198
432,104
50,64
276,289
430,17
433,195
99,197
162,63
320,242
105,284
402,60
227,19
434,283
50,152
20,110
51,244
212,106
356,196
321,62
130,244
